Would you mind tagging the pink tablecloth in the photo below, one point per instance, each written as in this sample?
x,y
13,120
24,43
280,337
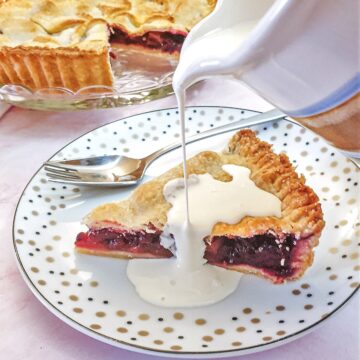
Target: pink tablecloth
x,y
28,331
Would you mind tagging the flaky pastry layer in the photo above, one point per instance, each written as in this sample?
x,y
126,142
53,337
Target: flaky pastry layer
x,y
300,209
61,67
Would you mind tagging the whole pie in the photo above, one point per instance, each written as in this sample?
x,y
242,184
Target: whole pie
x,y
277,249
67,43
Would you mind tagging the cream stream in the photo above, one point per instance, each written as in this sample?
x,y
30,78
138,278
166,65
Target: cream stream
x,y
199,201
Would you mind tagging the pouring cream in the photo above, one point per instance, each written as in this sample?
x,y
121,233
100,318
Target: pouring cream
x,y
199,202
294,46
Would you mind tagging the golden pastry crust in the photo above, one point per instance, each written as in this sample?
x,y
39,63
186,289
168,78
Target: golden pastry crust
x,y
300,213
54,43
114,254
63,67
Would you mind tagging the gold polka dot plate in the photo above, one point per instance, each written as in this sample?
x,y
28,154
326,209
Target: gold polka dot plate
x,y
93,294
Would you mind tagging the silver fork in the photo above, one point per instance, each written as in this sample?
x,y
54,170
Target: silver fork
x,y
119,170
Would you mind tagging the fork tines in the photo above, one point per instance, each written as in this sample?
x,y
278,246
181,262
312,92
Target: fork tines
x,y
61,172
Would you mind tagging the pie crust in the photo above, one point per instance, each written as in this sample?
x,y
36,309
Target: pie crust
x,y
66,43
290,239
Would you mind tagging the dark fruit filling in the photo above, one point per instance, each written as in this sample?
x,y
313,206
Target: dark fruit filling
x,y
264,251
260,251
136,242
166,41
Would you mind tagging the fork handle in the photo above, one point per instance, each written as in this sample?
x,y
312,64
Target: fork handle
x,y
268,116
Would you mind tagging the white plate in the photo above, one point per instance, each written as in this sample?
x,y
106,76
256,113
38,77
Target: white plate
x,y
93,295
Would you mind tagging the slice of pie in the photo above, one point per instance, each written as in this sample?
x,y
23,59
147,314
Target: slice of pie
x,y
67,43
278,249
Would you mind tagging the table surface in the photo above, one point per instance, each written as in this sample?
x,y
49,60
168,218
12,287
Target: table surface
x,y
28,330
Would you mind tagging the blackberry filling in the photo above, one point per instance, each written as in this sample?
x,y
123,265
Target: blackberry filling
x,y
136,242
165,41
264,251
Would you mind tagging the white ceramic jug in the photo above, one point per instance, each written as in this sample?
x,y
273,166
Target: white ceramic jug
x,y
300,55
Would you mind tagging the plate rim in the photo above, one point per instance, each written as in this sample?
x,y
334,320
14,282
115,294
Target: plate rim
x,y
138,348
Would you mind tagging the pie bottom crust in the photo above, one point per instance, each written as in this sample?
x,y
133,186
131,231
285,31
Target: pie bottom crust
x,y
113,254
69,68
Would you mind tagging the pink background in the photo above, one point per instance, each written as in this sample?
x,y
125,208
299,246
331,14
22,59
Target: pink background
x,y
29,331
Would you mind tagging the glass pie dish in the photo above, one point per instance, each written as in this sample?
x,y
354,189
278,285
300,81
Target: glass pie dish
x,y
82,54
